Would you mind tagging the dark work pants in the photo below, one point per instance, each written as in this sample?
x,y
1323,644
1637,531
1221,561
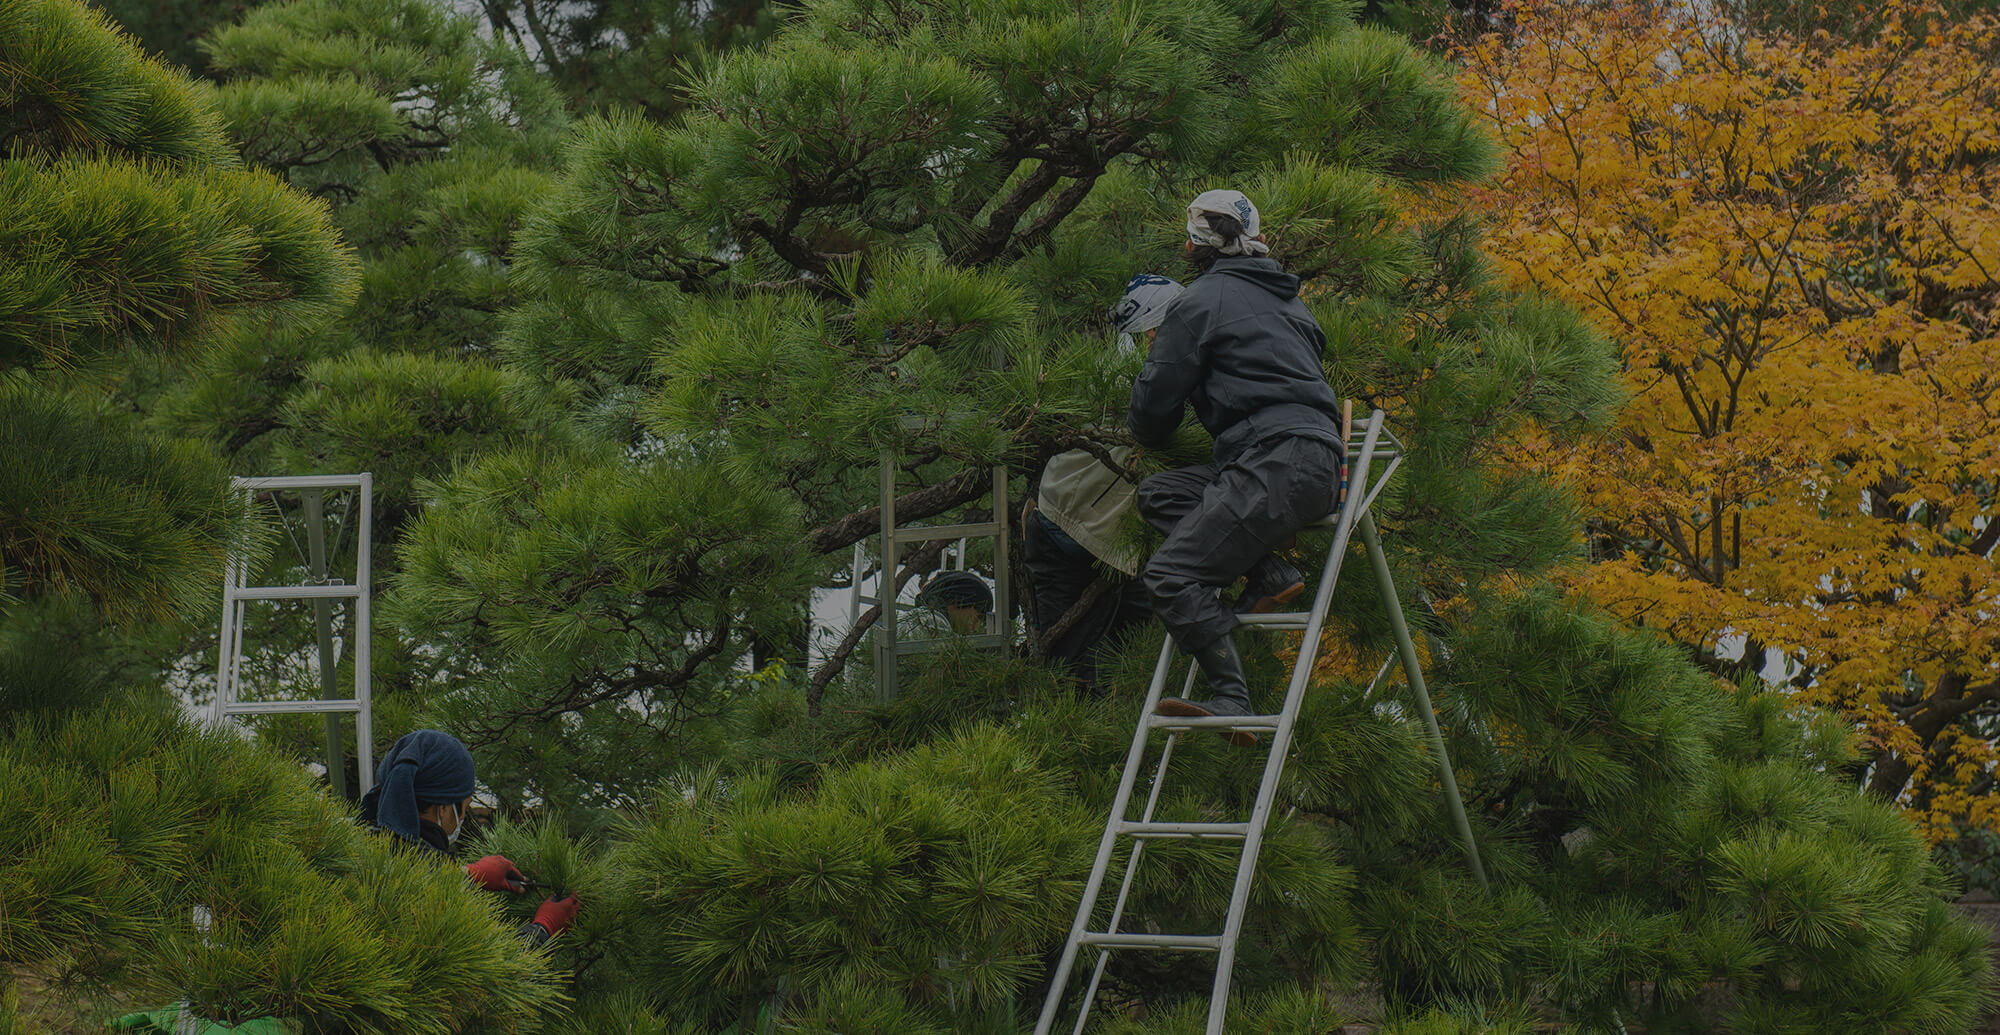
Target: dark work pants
x,y
1062,571
1220,521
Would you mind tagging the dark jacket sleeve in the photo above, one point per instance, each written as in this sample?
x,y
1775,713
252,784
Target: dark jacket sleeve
x,y
1171,374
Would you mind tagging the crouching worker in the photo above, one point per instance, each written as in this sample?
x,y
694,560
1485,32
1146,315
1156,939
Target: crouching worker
x,y
1071,543
1240,345
955,602
423,787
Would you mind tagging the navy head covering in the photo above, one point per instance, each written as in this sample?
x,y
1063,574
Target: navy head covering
x,y
428,767
956,589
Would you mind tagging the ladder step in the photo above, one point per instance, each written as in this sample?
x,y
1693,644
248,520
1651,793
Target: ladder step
x,y
289,707
1151,831
306,481
1213,722
934,533
336,591
1182,942
1277,620
937,643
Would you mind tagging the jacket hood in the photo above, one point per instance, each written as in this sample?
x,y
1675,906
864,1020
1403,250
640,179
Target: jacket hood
x,y
1262,271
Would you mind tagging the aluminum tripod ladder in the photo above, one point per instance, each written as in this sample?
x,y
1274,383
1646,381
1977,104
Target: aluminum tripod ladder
x,y
1364,486
323,590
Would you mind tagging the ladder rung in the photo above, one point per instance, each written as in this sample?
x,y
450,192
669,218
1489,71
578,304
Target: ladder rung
x,y
1277,620
1185,942
933,533
336,591
1213,722
307,481
289,707
1145,831
937,643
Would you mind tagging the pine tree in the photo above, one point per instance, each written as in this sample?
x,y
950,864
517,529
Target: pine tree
x,y
428,141
145,862
130,234
896,226
862,237
621,55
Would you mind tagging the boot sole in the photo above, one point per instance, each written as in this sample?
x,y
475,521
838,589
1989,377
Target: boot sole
x,y
1178,708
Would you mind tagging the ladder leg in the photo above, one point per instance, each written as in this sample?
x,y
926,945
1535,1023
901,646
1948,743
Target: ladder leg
x,y
220,709
312,503
1105,845
1353,508
364,634
1408,649
1131,871
1132,864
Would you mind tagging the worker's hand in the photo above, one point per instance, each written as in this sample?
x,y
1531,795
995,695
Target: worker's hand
x,y
495,873
556,913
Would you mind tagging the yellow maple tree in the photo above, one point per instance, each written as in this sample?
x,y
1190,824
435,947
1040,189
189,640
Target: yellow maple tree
x,y
1796,243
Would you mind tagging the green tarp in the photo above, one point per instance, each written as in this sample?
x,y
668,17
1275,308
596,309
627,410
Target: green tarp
x,y
175,1020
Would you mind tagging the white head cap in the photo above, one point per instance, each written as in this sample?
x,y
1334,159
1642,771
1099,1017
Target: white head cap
x,y
1230,203
1144,304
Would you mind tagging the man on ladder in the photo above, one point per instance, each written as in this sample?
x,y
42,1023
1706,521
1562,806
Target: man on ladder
x,y
1242,348
1240,345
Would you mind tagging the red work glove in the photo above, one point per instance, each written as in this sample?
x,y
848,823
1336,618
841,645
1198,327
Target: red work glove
x,y
556,913
495,873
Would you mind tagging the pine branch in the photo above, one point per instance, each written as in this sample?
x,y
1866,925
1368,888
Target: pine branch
x,y
959,489
587,690
923,558
1070,618
988,244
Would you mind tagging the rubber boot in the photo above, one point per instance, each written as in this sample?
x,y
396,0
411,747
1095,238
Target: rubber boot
x,y
1229,692
1270,585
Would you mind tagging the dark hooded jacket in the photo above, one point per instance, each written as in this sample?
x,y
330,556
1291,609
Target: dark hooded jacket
x,y
1242,347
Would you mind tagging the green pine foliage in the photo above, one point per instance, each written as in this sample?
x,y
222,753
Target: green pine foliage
x,y
626,397
607,568
1663,856
129,237
897,227
145,862
631,55
75,522
171,30
407,416
430,141
112,254
161,863
126,219
70,83
891,877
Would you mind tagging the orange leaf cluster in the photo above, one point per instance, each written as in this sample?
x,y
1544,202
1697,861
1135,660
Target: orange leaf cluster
x,y
1796,243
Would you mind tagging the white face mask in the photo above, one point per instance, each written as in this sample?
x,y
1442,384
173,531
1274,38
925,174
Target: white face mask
x,y
451,836
1127,345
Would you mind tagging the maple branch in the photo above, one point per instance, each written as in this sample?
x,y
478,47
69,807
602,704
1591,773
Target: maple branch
x,y
1983,543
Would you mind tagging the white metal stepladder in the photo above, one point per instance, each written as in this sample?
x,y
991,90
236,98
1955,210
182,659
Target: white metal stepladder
x,y
1363,487
323,590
